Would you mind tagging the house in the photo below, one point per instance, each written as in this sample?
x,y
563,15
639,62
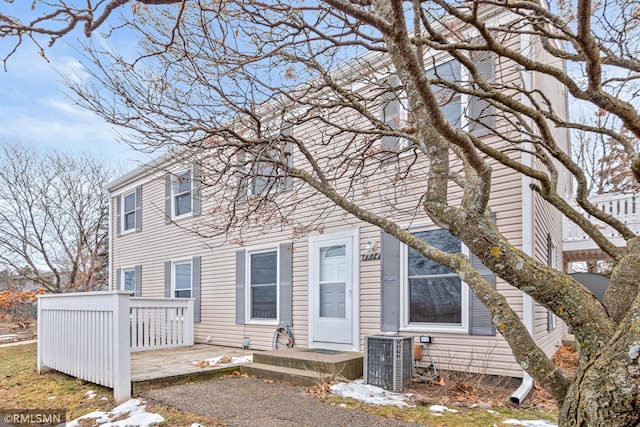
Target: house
x,y
331,278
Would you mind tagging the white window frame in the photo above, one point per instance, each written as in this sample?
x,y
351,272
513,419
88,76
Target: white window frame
x,y
174,194
174,264
123,281
248,314
124,212
462,328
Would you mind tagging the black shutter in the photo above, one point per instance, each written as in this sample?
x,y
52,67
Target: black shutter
x,y
196,286
118,278
390,283
481,113
196,189
285,257
137,292
139,208
240,286
167,199
390,113
167,279
118,215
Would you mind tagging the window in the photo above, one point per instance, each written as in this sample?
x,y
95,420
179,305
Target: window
x,y
183,193
129,280
434,294
448,99
478,112
181,196
182,279
129,211
260,172
262,272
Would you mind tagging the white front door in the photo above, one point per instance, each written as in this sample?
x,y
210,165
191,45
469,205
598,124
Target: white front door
x,y
333,268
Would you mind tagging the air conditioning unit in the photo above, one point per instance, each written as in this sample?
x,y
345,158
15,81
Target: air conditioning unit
x,y
388,361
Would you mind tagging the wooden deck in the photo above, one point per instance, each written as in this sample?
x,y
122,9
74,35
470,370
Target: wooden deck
x,y
158,368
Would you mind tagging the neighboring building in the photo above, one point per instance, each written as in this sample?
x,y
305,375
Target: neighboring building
x,y
349,281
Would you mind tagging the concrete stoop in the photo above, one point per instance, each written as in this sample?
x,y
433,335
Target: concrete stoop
x,y
305,367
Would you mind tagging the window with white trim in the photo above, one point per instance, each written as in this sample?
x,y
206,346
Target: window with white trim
x,y
129,280
473,113
262,280
129,211
181,197
182,279
434,296
264,172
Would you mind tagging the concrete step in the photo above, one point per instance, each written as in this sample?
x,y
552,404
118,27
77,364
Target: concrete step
x,y
346,364
300,377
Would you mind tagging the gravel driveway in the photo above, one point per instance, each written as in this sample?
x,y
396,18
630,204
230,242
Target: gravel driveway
x,y
244,402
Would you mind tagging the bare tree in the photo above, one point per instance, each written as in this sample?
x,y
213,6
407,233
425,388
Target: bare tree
x,y
54,218
226,80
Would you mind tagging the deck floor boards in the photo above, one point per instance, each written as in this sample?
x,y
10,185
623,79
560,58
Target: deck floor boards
x,y
157,364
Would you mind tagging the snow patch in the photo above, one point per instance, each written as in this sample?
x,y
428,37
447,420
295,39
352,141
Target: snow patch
x,y
530,423
370,394
90,394
440,408
223,361
136,416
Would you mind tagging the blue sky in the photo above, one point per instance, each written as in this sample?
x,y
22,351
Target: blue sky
x,y
37,109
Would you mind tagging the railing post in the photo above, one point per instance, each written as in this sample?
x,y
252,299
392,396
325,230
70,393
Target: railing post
x,y
188,323
121,348
41,337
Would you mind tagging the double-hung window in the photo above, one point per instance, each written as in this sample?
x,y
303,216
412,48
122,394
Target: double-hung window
x,y
264,171
182,193
449,100
182,279
262,275
435,297
129,211
129,280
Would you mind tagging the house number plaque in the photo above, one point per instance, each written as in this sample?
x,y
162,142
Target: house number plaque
x,y
370,257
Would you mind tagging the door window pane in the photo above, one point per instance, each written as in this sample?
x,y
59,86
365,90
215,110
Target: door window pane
x,y
333,278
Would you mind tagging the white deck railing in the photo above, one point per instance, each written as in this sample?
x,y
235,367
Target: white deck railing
x,y
624,206
91,335
161,323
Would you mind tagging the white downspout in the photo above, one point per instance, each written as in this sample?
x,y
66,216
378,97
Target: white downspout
x,y
527,228
109,263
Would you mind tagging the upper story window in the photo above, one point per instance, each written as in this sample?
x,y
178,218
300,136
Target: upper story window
x,y
474,114
129,211
264,172
182,193
435,297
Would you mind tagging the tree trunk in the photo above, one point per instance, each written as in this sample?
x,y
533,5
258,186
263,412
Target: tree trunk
x,y
606,391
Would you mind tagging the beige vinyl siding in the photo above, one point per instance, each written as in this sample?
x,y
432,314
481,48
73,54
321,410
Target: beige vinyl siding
x,y
159,242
